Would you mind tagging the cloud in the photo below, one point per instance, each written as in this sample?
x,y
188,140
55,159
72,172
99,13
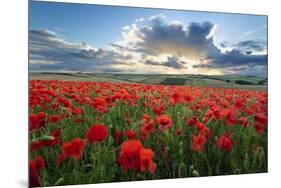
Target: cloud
x,y
161,37
50,52
172,62
148,44
232,59
251,45
194,42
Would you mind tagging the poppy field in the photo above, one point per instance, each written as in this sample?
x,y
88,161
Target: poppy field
x,y
83,132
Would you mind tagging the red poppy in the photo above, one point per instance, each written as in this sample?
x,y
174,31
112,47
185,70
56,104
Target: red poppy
x,y
198,142
129,156
158,110
164,122
97,133
261,118
73,148
260,122
224,142
230,117
130,134
145,119
100,104
134,156
147,126
34,171
36,121
146,160
243,121
46,141
53,119
202,129
190,122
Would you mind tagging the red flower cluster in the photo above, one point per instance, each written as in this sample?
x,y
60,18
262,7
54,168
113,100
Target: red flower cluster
x,y
260,122
224,142
147,126
130,134
34,167
62,109
36,121
47,141
198,142
97,133
164,122
100,104
73,148
134,156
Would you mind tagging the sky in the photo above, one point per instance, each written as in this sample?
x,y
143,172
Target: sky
x,y
66,37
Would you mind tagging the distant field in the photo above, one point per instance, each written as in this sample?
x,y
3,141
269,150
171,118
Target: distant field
x,y
243,82
70,77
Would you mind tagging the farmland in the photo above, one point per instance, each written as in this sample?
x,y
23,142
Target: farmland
x,y
227,81
87,128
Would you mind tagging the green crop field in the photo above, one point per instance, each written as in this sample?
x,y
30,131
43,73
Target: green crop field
x,y
224,81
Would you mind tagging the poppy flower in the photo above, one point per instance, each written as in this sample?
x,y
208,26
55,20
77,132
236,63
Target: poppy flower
x,y
190,122
224,142
146,160
243,121
198,142
158,110
260,122
100,104
178,97
147,126
97,133
145,119
73,148
129,155
130,134
53,119
46,141
134,156
36,121
164,122
202,129
259,127
34,171
261,118
230,117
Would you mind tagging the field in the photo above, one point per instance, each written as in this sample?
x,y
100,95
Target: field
x,y
227,81
87,128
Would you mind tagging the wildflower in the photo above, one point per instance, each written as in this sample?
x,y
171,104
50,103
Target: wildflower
x,y
225,143
129,156
164,122
73,148
97,133
34,171
198,142
146,160
130,134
